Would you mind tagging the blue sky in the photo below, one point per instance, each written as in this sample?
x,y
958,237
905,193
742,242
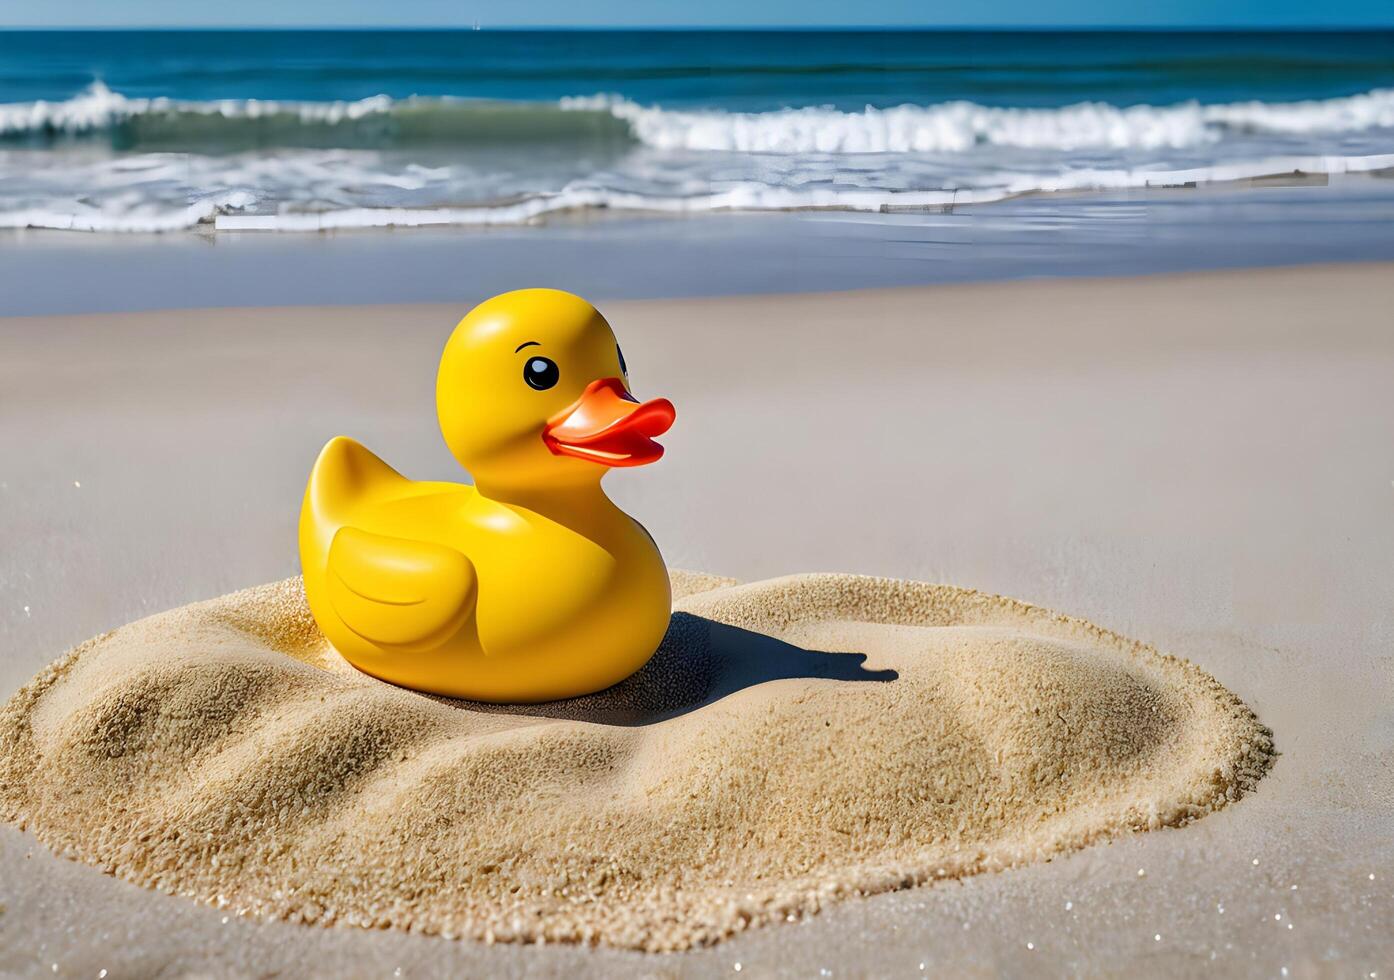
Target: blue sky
x,y
668,13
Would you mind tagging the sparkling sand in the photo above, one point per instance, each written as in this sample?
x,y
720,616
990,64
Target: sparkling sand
x,y
794,742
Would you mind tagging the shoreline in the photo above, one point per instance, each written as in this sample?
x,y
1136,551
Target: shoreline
x,y
1193,460
622,257
1261,175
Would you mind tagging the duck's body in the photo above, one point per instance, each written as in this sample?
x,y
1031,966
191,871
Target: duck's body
x,y
525,589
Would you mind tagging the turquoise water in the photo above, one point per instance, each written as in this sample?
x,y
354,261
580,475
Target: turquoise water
x,y
152,131
738,70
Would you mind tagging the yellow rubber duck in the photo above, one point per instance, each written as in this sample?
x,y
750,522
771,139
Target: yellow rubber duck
x,y
530,585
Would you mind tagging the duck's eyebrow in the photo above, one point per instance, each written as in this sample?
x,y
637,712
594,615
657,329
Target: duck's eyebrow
x,y
526,343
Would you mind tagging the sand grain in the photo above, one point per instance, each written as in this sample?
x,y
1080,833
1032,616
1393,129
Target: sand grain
x,y
795,741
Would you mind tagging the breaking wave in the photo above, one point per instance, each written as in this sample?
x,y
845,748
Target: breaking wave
x,y
103,161
951,127
958,126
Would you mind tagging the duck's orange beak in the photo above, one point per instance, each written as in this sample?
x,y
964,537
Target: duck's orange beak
x,y
607,425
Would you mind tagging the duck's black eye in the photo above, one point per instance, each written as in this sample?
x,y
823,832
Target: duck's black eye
x,y
541,373
624,370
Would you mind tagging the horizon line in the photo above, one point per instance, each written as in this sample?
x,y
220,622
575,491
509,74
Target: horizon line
x,y
810,28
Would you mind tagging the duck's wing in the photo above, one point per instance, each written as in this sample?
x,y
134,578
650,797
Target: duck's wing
x,y
397,591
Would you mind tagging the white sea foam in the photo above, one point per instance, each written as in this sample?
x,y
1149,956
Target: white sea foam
x,y
759,197
143,217
227,210
98,108
954,127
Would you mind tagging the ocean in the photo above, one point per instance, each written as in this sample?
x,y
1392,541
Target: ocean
x,y
166,131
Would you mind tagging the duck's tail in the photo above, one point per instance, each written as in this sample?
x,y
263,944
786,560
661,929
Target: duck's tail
x,y
345,474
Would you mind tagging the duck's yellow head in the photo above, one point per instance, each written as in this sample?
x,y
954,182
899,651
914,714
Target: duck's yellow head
x,y
533,391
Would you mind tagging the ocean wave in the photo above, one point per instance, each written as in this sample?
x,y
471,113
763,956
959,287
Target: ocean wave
x,y
229,210
954,127
946,128
232,124
377,162
762,197
147,218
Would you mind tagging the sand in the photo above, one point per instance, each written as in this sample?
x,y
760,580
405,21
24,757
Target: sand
x,y
747,775
1199,462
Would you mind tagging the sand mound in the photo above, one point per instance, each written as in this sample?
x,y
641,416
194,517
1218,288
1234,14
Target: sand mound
x,y
223,752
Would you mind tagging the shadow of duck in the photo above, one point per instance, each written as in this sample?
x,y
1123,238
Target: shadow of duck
x,y
699,662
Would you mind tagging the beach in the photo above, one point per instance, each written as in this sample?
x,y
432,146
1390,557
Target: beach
x,y
1196,461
